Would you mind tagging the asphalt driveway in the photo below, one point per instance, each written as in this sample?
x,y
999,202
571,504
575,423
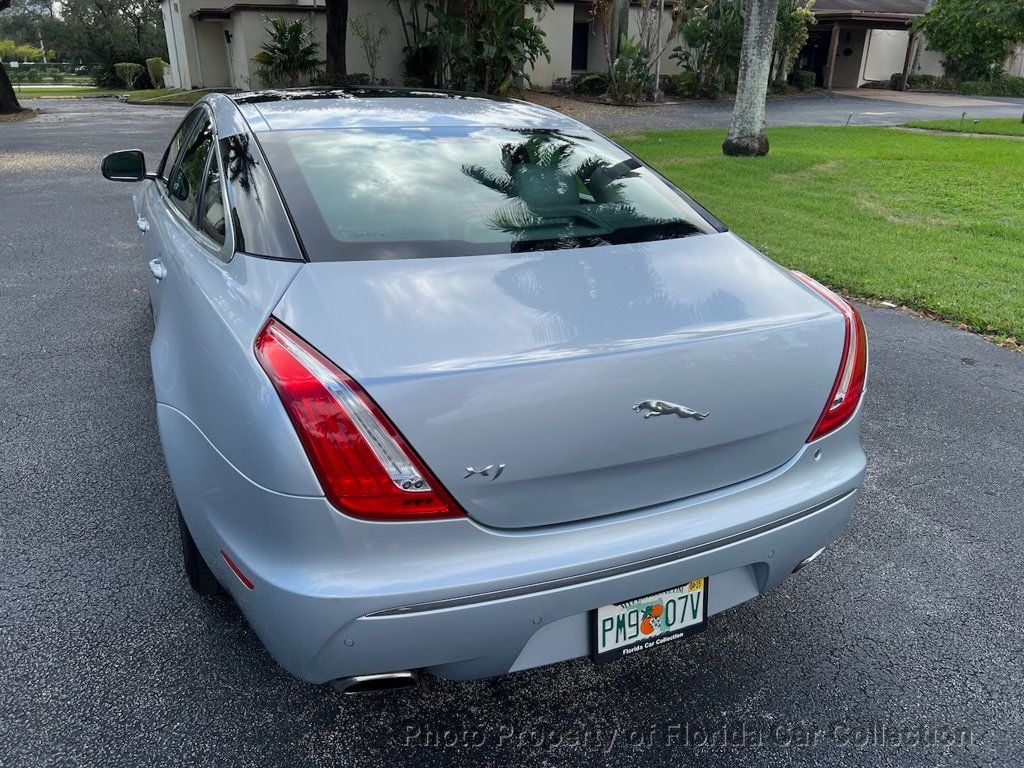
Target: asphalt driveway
x,y
902,646
853,107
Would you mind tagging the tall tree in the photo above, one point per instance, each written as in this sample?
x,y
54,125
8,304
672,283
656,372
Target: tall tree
x,y
8,100
337,35
747,134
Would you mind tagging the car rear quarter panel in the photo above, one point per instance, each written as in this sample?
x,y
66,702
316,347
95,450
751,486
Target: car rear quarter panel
x,y
203,361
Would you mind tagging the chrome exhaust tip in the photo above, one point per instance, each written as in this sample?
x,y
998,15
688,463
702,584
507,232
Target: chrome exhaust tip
x,y
808,560
388,681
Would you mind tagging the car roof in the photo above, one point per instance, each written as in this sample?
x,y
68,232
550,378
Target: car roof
x,y
379,107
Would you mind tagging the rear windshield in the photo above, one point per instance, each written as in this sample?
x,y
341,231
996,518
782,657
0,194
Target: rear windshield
x,y
391,193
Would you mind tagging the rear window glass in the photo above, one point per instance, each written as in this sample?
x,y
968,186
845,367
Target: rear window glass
x,y
421,192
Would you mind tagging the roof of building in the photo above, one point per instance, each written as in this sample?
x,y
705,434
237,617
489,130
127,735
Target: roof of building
x,y
378,107
874,13
903,7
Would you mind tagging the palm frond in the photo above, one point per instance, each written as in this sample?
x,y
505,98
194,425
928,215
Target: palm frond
x,y
481,175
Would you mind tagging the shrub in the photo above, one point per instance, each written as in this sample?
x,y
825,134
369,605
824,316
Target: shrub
x,y
342,81
804,79
593,84
630,79
1003,85
129,72
918,82
683,85
564,85
156,68
973,35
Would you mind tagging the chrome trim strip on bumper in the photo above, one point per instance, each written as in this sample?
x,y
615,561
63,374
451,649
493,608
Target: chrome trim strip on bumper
x,y
615,570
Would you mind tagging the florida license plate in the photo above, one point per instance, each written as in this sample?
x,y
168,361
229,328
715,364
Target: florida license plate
x,y
647,622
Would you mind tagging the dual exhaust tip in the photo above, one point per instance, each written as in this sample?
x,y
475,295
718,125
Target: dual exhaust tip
x,y
388,681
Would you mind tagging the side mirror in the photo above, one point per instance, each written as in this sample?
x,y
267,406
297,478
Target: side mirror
x,y
126,165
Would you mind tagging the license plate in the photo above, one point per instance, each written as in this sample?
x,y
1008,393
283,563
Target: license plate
x,y
647,622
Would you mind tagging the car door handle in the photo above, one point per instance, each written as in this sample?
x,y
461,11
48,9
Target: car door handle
x,y
158,269
142,224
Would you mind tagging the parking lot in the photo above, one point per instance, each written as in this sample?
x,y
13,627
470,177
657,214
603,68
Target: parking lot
x,y
901,646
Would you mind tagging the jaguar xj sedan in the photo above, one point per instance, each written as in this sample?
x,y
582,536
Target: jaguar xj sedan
x,y
455,385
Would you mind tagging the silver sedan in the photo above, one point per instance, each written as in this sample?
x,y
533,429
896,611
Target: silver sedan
x,y
456,385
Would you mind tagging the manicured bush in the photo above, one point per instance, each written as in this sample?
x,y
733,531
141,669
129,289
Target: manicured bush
x,y
342,81
1004,85
804,79
156,68
919,82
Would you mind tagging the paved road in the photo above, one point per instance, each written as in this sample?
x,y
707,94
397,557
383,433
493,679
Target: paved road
x,y
911,622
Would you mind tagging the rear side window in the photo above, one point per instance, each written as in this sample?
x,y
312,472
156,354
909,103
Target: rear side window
x,y
418,192
261,225
211,220
174,148
185,182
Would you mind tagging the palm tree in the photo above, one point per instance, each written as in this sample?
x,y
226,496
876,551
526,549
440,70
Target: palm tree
x,y
541,179
289,54
747,134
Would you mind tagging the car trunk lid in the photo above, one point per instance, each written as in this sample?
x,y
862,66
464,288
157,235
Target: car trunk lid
x,y
552,387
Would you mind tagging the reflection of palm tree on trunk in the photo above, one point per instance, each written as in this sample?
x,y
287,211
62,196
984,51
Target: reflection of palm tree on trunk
x,y
551,190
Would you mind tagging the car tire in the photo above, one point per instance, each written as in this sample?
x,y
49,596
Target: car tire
x,y
200,577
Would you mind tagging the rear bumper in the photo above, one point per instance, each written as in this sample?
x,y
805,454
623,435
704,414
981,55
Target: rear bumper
x,y
335,597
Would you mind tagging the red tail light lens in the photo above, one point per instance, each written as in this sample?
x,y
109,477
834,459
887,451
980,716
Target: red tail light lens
x,y
364,465
853,367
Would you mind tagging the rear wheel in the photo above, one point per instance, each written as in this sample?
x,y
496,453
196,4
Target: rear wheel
x,y
200,577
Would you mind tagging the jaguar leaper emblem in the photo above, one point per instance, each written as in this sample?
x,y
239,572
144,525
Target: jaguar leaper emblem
x,y
663,408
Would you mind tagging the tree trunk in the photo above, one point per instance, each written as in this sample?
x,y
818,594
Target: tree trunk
x,y
8,100
746,132
337,35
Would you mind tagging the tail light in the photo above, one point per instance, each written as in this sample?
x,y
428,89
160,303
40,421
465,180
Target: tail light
x,y
853,367
364,465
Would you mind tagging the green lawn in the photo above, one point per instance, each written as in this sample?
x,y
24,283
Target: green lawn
x,y
934,222
164,96
34,92
153,96
1001,126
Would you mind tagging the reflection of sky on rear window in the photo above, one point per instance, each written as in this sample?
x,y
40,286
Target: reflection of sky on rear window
x,y
410,184
401,185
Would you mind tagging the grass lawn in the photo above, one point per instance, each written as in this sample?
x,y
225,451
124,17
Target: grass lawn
x,y
933,222
35,92
152,96
164,96
1001,126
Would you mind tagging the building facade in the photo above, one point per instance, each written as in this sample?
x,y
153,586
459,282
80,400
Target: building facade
x,y
211,43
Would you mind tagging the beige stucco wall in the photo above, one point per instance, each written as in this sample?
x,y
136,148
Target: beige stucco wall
x,y
929,62
390,65
668,66
557,25
213,55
